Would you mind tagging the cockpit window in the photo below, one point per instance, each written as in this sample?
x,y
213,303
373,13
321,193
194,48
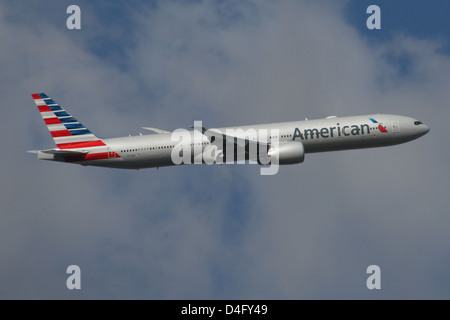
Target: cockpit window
x,y
417,123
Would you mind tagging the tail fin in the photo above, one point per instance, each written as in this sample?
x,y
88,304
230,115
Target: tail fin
x,y
67,132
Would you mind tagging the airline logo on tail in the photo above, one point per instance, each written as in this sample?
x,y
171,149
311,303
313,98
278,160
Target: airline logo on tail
x,y
380,126
67,132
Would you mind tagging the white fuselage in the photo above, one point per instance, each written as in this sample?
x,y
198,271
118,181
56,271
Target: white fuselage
x,y
329,134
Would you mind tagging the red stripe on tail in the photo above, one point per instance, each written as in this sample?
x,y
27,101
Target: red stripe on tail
x,y
60,133
52,121
44,108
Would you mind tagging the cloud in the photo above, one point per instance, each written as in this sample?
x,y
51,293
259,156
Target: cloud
x,y
220,232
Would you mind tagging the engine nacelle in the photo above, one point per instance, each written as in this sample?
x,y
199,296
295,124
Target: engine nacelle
x,y
287,153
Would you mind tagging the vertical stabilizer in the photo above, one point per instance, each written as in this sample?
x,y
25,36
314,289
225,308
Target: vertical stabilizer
x,y
67,132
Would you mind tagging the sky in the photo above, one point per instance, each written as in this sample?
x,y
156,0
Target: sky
x,y
225,232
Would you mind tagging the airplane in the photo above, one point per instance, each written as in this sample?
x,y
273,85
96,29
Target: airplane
x,y
280,143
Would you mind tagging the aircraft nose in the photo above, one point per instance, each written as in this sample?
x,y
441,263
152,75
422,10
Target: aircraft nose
x,y
420,128
423,129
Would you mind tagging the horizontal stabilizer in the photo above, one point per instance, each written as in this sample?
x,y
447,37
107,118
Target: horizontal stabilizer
x,y
60,155
156,130
64,152
59,152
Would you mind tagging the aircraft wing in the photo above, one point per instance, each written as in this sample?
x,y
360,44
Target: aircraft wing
x,y
252,148
242,142
156,130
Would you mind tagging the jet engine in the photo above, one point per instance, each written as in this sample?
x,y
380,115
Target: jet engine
x,y
287,153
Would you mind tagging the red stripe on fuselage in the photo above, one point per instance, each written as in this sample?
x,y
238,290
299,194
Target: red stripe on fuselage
x,y
52,121
92,156
60,133
96,156
84,144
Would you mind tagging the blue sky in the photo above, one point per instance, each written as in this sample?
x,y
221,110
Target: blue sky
x,y
422,19
225,232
